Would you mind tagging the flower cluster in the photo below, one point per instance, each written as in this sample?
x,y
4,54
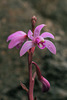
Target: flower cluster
x,y
19,37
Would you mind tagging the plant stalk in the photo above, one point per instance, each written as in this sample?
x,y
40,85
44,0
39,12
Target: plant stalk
x,y
30,54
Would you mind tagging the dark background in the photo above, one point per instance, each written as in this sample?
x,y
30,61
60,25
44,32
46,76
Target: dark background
x,y
16,15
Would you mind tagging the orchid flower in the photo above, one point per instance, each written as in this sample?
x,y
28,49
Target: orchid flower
x,y
38,40
17,39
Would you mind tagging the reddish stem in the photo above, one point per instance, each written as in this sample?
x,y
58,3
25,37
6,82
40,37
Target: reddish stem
x,y
37,70
31,79
30,75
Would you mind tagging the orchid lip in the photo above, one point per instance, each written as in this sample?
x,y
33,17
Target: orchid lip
x,y
40,45
38,39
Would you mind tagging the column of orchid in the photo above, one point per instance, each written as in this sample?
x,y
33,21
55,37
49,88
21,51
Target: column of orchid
x,y
33,39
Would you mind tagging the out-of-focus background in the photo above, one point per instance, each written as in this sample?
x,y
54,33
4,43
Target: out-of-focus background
x,y
16,15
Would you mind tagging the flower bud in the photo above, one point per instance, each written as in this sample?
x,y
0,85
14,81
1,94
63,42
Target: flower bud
x,y
44,81
45,84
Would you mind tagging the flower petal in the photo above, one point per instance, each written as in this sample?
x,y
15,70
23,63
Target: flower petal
x,y
48,44
13,43
27,45
19,45
17,40
30,34
16,34
47,34
38,29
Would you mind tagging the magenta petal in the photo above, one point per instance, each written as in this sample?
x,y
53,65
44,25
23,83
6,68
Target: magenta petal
x,y
48,44
47,34
30,34
16,41
27,45
13,43
16,34
19,45
38,29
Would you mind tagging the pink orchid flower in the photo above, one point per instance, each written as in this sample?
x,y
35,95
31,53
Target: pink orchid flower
x,y
38,40
17,39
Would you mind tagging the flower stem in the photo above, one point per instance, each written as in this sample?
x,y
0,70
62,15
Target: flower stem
x,y
30,75
31,79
